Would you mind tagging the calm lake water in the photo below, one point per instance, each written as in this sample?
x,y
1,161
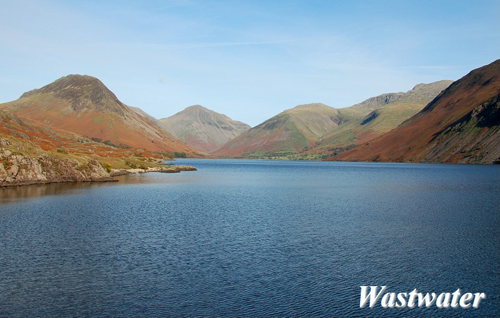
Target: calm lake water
x,y
252,239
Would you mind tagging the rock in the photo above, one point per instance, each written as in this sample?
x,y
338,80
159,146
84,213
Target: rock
x,y
168,169
18,169
186,168
178,169
118,172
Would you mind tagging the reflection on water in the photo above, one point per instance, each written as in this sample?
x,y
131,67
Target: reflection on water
x,y
19,193
13,194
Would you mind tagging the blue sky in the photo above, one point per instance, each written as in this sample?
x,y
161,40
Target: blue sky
x,y
247,59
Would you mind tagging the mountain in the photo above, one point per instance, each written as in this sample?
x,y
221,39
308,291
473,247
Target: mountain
x,y
203,129
318,129
290,131
84,105
461,125
378,115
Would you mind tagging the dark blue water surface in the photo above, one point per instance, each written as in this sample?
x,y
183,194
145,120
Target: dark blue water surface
x,y
252,239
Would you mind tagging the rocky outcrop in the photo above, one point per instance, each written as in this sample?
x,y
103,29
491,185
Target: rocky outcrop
x,y
185,168
20,169
168,169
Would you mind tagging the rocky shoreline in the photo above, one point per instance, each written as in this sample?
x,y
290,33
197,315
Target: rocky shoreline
x,y
17,169
20,169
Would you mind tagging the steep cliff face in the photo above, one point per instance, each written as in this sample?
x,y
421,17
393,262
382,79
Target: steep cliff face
x,y
22,164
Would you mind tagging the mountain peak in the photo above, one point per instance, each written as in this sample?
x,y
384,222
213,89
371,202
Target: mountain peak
x,y
67,82
76,80
197,107
311,105
82,91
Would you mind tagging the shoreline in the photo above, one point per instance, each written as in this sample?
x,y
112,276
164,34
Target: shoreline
x,y
168,169
43,182
112,174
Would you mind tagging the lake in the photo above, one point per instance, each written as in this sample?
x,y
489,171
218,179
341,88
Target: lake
x,y
252,238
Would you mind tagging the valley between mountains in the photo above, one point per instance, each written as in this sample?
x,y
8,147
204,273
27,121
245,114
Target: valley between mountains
x,y
76,129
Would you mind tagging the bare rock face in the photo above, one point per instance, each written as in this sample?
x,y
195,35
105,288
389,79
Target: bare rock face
x,y
19,169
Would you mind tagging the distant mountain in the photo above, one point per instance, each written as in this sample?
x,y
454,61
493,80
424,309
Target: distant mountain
x,y
203,129
461,125
290,131
319,129
84,105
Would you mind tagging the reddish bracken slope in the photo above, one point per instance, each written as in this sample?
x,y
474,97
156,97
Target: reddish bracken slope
x,y
461,125
84,105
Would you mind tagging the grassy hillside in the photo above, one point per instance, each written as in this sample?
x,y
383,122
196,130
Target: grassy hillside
x,y
291,131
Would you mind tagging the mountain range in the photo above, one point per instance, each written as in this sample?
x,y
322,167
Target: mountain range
x,y
320,129
77,123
